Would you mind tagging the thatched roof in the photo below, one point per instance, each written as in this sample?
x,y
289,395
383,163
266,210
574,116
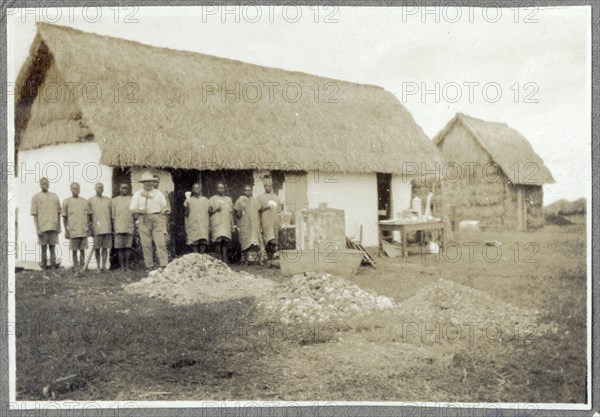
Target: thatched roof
x,y
171,125
505,146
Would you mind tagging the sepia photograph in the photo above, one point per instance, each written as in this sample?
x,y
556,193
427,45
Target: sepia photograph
x,y
227,207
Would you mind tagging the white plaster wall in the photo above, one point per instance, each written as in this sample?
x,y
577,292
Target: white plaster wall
x,y
401,196
401,193
61,164
356,194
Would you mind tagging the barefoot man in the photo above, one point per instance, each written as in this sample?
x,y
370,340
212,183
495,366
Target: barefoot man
x,y
270,206
248,223
220,209
75,219
196,219
45,209
99,208
123,226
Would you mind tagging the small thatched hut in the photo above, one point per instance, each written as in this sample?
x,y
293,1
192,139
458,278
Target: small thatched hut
x,y
491,174
115,108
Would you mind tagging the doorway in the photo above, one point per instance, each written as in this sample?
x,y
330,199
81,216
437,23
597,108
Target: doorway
x,y
183,180
120,176
384,196
234,181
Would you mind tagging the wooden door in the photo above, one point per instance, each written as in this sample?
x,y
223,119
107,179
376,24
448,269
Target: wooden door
x,y
296,191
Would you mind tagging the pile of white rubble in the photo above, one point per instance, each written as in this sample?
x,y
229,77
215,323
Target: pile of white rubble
x,y
316,297
199,278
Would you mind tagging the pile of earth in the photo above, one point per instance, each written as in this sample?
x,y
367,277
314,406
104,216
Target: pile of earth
x,y
446,301
196,278
314,297
564,207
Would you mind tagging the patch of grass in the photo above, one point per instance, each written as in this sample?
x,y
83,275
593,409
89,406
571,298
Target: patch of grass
x,y
82,337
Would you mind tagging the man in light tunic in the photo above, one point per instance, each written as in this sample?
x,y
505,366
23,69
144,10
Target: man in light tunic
x,y
248,223
99,208
270,206
220,208
75,219
150,206
123,225
196,219
45,209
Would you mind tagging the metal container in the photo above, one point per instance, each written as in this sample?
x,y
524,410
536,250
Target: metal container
x,y
433,247
417,207
470,225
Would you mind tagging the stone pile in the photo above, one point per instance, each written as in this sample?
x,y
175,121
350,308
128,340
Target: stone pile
x,y
313,297
446,301
196,278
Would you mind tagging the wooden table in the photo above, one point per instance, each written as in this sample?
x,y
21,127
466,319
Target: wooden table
x,y
405,228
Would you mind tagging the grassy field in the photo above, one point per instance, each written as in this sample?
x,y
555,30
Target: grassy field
x,y
81,337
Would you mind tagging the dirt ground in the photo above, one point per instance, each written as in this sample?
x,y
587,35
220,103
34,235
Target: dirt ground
x,y
81,337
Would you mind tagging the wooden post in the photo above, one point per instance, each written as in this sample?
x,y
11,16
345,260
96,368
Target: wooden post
x,y
404,244
300,224
524,204
520,208
17,233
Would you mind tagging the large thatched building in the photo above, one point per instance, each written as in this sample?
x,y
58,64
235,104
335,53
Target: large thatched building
x,y
116,107
491,174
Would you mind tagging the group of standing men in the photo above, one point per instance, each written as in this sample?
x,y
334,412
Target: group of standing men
x,y
256,219
102,217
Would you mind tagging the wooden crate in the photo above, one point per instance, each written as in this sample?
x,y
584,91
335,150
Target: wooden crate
x,y
343,263
316,228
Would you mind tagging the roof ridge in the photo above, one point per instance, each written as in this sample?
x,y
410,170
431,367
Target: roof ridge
x,y
461,117
464,115
480,134
173,125
44,25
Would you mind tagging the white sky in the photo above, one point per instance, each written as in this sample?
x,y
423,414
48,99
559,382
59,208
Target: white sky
x,y
398,49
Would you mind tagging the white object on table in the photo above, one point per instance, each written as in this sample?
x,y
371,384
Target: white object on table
x,y
428,206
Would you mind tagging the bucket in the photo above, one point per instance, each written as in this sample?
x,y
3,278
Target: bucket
x,y
432,247
471,225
